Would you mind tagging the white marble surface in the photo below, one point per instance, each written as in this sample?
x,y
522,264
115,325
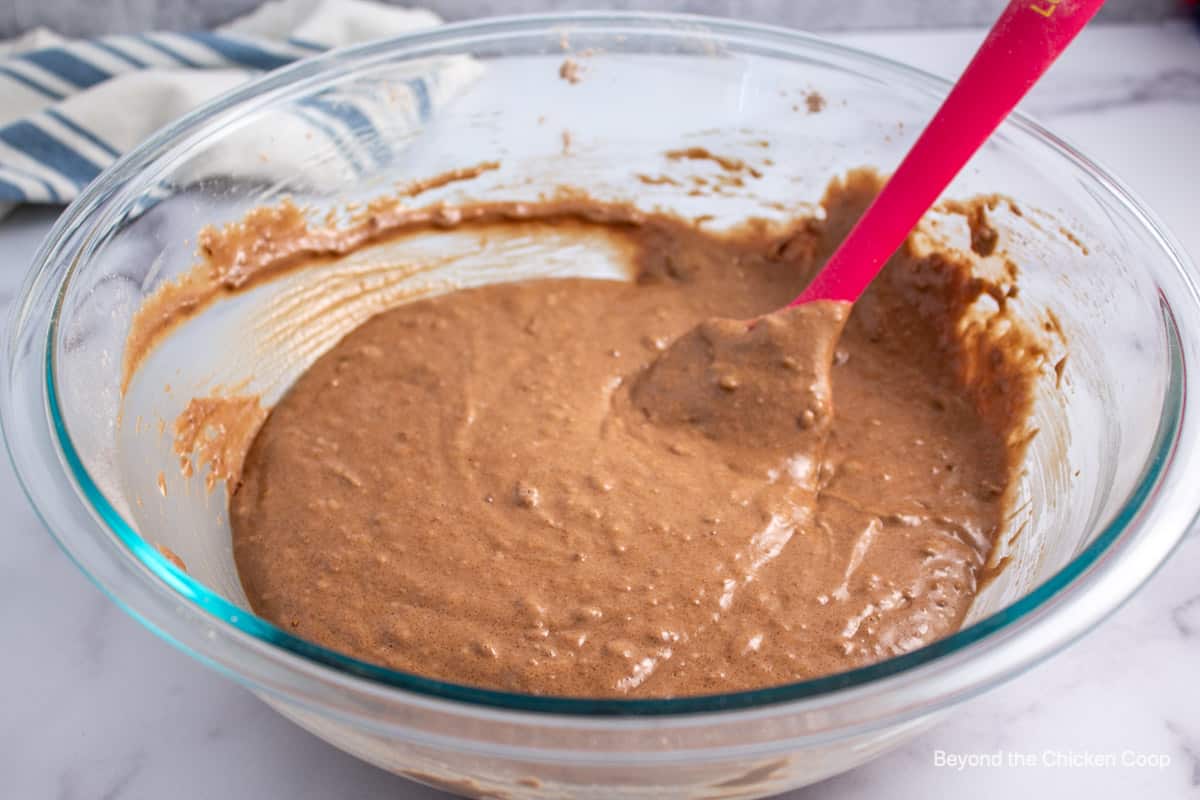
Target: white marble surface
x,y
94,706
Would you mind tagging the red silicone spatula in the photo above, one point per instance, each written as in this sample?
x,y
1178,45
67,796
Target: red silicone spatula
x,y
1021,46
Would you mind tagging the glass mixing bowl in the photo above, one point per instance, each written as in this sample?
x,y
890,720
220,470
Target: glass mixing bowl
x,y
1106,492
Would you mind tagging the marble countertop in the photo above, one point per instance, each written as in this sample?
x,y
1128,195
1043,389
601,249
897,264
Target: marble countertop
x,y
94,706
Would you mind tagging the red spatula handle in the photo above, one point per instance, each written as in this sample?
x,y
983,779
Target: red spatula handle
x,y
1022,45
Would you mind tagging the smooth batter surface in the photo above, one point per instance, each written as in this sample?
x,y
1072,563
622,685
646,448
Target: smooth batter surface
x,y
596,488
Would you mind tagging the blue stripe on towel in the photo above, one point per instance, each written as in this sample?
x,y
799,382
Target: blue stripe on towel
x,y
421,91
108,46
10,192
45,149
76,128
357,122
239,51
66,65
169,52
31,83
333,137
304,44
47,187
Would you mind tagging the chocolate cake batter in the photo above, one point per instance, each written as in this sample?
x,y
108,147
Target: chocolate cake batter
x,y
602,488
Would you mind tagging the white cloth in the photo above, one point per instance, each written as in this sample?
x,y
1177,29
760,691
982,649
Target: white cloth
x,y
68,109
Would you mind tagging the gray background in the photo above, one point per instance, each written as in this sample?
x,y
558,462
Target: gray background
x,y
89,17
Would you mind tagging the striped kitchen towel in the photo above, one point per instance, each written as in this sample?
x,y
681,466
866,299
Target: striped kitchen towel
x,y
68,109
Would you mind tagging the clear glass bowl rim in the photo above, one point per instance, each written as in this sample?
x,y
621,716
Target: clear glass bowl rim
x,y
1052,595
